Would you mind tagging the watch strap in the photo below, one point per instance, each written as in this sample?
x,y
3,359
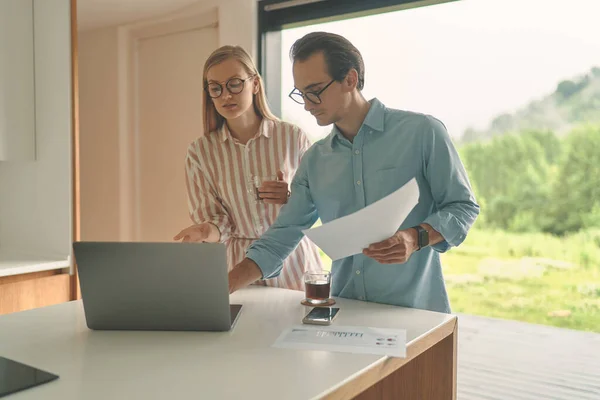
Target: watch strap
x,y
422,236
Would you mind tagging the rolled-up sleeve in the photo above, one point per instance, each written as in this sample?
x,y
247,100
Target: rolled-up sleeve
x,y
456,207
283,236
203,203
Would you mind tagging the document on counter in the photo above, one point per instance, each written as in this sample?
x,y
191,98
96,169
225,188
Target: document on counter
x,y
346,339
351,234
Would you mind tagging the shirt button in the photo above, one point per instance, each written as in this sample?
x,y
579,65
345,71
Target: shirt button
x,y
357,152
358,182
357,272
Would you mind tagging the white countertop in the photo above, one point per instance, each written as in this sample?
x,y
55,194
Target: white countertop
x,y
14,263
200,365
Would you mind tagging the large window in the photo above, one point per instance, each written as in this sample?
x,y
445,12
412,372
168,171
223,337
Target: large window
x,y
517,84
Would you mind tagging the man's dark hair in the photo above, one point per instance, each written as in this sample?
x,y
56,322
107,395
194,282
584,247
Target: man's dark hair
x,y
340,55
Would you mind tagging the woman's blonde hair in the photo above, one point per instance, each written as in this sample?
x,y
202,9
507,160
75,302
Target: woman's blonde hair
x,y
212,119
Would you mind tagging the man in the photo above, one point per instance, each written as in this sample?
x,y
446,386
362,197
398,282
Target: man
x,y
371,152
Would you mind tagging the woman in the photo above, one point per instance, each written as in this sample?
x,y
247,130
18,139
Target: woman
x,y
237,173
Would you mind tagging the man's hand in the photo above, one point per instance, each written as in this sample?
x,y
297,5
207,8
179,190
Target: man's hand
x,y
394,250
275,192
243,274
205,232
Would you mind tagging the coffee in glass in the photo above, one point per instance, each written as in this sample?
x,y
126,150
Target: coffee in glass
x,y
317,287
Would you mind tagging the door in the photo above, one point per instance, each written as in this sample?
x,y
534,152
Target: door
x,y
169,117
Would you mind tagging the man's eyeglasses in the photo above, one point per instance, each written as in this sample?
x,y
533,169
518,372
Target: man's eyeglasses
x,y
313,97
234,86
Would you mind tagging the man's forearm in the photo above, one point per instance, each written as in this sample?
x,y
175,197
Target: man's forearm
x,y
243,274
434,236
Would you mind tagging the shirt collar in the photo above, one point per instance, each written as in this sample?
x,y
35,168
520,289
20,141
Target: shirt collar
x,y
264,129
376,116
374,120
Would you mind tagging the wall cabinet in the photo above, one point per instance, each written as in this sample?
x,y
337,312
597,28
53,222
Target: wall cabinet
x,y
37,152
17,95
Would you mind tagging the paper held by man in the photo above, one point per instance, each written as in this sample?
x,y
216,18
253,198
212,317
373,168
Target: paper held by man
x,y
351,234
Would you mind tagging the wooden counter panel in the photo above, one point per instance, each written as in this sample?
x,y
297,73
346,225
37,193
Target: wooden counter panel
x,y
28,291
426,377
427,372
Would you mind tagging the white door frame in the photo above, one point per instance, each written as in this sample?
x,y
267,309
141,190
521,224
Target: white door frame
x,y
129,37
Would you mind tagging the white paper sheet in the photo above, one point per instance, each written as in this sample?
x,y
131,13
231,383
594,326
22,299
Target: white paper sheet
x,y
347,339
351,234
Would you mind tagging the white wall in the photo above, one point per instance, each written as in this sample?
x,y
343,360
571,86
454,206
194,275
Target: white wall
x,y
35,196
238,23
102,180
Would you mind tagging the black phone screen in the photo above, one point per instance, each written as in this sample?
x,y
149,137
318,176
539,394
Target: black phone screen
x,y
322,314
15,376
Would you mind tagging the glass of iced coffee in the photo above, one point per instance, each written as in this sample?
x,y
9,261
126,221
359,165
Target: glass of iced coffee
x,y
318,287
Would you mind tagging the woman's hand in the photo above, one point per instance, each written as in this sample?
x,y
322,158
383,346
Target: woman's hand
x,y
204,232
275,192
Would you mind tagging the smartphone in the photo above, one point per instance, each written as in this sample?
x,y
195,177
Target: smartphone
x,y
321,316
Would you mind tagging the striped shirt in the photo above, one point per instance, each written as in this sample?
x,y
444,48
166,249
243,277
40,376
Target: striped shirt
x,y
220,172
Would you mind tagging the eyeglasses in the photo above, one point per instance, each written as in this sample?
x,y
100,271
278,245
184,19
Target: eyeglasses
x,y
234,86
313,97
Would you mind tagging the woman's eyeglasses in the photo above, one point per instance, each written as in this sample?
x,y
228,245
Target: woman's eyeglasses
x,y
234,86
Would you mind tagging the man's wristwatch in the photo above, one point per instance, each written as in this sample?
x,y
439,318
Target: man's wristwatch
x,y
422,236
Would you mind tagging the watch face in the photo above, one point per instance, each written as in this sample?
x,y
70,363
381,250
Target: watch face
x,y
422,236
425,237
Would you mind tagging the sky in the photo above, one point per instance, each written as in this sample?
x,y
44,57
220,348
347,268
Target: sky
x,y
464,62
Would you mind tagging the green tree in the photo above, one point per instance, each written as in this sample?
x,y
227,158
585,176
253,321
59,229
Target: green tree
x,y
566,89
512,175
576,192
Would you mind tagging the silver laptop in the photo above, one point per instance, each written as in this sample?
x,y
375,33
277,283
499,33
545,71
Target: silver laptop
x,y
155,286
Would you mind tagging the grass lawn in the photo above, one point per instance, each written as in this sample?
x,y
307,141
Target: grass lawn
x,y
532,277
563,298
